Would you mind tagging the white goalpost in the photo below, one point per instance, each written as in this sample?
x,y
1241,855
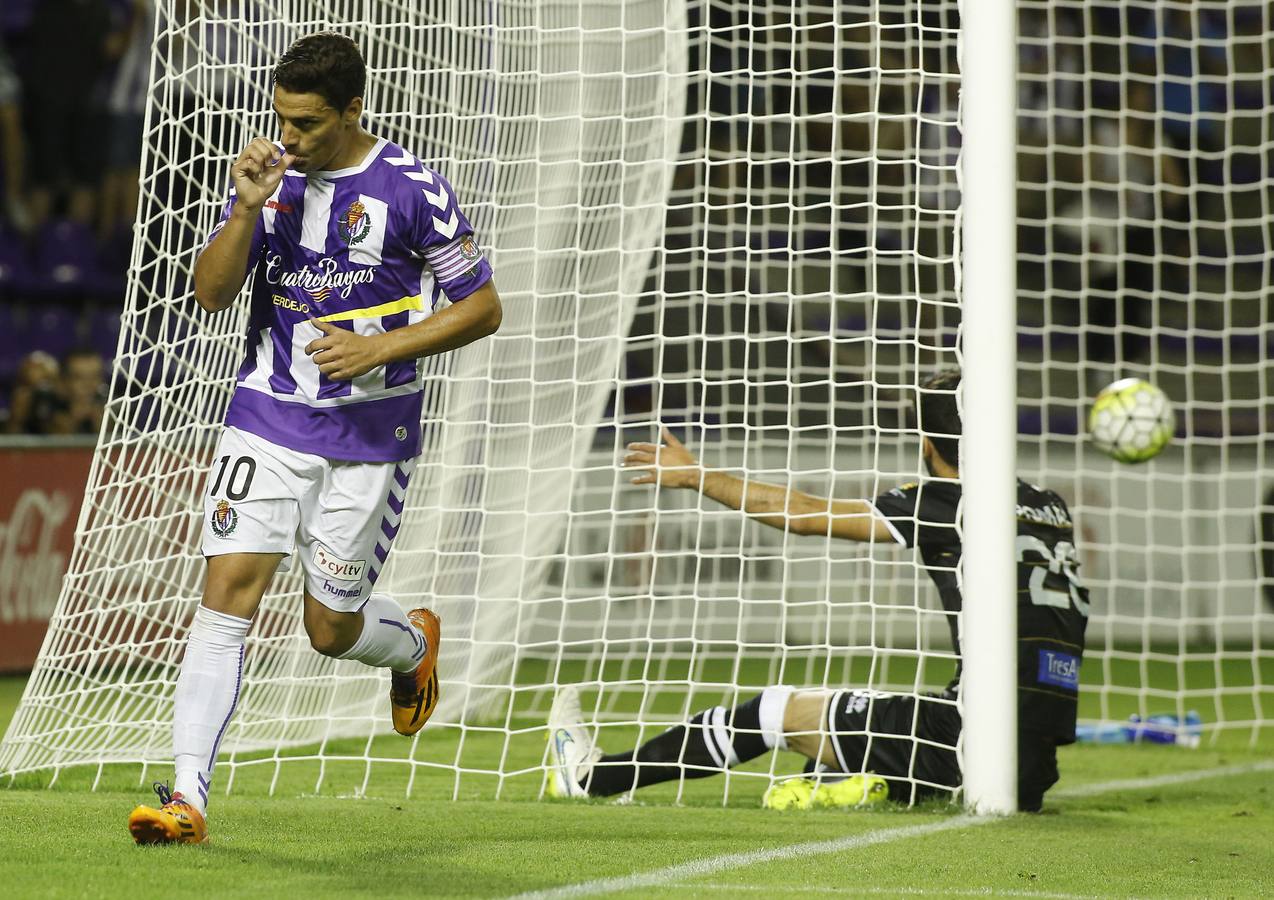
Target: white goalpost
x,y
988,449
762,225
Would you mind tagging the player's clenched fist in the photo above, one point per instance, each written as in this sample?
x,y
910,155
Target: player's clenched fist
x,y
669,463
258,171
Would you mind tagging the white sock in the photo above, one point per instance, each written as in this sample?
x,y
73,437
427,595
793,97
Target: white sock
x,y
207,693
388,640
773,708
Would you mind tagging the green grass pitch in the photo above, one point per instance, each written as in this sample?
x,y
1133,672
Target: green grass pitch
x,y
1201,837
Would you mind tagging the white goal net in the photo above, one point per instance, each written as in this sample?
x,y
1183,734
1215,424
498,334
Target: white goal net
x,y
1145,231
739,220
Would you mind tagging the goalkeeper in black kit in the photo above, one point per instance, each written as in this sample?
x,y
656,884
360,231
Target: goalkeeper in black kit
x,y
895,746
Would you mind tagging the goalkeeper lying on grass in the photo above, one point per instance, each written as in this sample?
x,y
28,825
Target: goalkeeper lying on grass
x,y
897,745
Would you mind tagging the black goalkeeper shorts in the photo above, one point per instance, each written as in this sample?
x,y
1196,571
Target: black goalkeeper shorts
x,y
910,741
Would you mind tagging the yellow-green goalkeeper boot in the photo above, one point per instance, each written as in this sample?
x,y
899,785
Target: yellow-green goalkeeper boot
x,y
791,793
856,790
844,793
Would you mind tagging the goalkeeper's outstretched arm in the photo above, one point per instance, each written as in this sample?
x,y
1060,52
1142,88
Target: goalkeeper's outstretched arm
x,y
672,465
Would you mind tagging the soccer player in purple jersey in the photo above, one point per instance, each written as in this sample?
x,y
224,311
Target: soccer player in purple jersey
x,y
362,264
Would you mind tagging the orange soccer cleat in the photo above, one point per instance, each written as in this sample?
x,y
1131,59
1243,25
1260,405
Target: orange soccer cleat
x,y
413,695
175,822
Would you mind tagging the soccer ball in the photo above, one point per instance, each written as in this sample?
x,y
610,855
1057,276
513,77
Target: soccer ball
x,y
1131,420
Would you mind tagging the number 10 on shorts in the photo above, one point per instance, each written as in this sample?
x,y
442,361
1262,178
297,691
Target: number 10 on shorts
x,y
241,473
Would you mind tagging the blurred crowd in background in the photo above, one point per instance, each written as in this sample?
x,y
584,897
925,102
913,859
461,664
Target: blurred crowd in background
x,y
1144,175
72,98
826,145
1146,179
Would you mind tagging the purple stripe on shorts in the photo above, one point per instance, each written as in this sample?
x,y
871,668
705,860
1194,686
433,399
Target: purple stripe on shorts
x,y
400,475
389,531
396,504
372,575
381,552
238,680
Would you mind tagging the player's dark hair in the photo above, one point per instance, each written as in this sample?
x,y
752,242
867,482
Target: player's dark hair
x,y
938,414
325,63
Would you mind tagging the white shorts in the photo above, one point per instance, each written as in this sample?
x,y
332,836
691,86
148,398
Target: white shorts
x,y
341,516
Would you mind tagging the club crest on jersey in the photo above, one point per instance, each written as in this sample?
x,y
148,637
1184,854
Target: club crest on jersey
x,y
225,519
469,248
355,224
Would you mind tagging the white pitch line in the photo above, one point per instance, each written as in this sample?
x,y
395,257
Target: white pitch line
x,y
1136,784
860,891
700,867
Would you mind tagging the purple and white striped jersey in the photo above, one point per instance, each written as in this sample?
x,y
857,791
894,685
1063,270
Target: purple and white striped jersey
x,y
370,248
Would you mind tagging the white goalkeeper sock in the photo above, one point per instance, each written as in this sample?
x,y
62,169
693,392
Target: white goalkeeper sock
x,y
207,693
388,640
